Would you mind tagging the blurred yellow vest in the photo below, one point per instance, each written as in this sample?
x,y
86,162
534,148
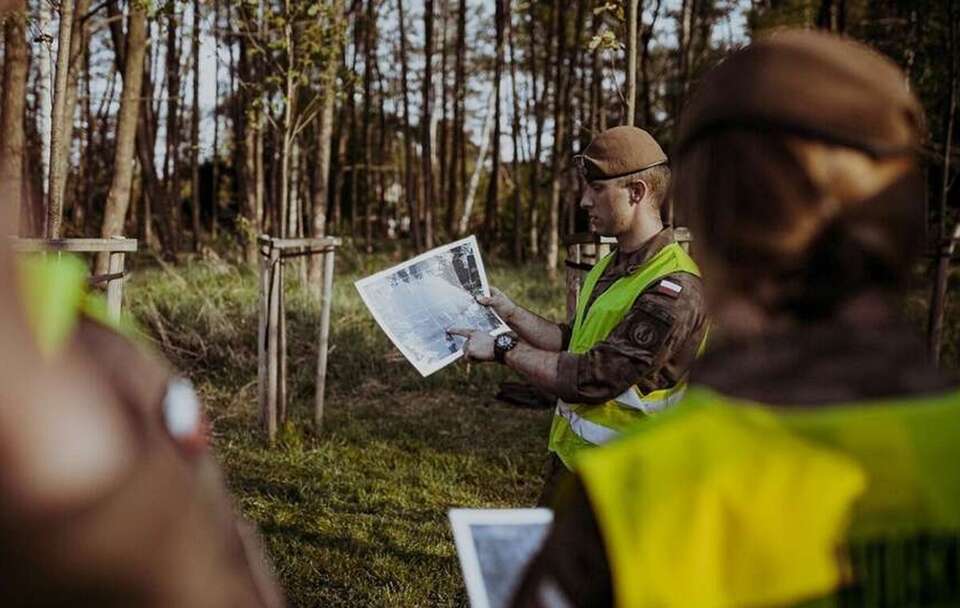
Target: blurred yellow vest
x,y
578,426
721,502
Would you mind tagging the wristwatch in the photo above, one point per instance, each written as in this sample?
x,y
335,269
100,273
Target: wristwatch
x,y
503,344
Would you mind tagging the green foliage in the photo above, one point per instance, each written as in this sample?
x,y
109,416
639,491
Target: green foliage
x,y
357,515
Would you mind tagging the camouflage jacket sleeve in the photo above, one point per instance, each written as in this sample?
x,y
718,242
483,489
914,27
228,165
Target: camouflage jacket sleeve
x,y
571,569
653,347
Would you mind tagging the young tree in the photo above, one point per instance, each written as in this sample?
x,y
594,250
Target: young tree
x,y
335,28
118,198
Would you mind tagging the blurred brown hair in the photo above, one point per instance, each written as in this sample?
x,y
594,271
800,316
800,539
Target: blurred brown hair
x,y
795,225
796,162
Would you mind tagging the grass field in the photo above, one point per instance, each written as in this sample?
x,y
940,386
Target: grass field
x,y
357,515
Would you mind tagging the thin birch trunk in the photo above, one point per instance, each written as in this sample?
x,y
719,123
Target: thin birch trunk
x,y
478,167
58,121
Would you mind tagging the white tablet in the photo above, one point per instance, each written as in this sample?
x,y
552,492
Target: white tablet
x,y
495,546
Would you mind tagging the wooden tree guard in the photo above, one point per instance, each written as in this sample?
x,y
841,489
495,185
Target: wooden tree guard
x,y
116,247
272,333
584,249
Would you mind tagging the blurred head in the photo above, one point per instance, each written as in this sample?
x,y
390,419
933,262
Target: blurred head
x,y
796,161
625,178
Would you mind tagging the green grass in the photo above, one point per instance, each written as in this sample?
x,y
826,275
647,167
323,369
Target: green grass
x,y
357,515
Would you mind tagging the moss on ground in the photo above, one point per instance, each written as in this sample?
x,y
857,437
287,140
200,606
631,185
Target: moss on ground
x,y
356,516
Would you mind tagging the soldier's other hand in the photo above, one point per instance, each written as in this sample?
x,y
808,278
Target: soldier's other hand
x,y
479,344
499,302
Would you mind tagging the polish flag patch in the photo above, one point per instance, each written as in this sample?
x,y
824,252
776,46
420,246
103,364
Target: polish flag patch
x,y
669,288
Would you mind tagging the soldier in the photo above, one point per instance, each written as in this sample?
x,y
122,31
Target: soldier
x,y
809,457
639,323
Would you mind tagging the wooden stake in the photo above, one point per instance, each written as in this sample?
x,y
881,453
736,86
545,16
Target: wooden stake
x,y
262,339
115,286
281,346
327,302
273,322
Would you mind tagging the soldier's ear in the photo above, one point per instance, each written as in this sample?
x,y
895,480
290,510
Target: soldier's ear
x,y
638,190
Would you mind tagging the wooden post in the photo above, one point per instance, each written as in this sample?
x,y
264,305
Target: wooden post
x,y
327,301
262,338
115,285
273,322
281,344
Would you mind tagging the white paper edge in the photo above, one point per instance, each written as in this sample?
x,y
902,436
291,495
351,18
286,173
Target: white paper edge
x,y
462,519
427,369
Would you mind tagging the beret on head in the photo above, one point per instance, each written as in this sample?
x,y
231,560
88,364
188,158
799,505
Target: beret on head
x,y
809,84
618,152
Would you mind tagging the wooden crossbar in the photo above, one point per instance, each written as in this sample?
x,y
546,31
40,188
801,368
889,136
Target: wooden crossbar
x,y
116,248
118,245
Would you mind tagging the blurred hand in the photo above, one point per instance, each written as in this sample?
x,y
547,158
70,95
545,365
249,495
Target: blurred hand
x,y
499,302
479,344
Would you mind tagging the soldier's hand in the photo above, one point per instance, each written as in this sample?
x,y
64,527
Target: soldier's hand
x,y
479,344
499,302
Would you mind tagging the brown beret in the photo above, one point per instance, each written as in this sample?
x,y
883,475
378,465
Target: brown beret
x,y
618,152
811,84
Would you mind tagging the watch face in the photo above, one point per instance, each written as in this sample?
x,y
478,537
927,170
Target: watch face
x,y
503,340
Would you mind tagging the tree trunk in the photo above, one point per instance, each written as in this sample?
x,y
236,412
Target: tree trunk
x,y
478,167
515,135
171,212
559,137
369,63
455,175
410,188
45,104
118,198
195,127
493,188
938,299
12,144
540,115
58,122
631,25
645,67
426,148
321,193
215,178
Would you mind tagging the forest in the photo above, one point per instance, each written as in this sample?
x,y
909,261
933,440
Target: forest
x,y
195,126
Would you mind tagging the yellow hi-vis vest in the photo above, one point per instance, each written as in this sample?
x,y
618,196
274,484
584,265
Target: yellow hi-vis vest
x,y
577,426
722,502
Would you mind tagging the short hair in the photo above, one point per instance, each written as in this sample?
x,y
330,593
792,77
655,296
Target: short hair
x,y
657,179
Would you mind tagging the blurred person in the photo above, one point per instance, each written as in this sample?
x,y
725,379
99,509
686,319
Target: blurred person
x,y
812,459
109,496
639,322
108,493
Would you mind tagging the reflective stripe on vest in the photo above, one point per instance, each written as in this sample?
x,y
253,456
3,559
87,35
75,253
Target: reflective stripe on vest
x,y
597,434
753,505
576,426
